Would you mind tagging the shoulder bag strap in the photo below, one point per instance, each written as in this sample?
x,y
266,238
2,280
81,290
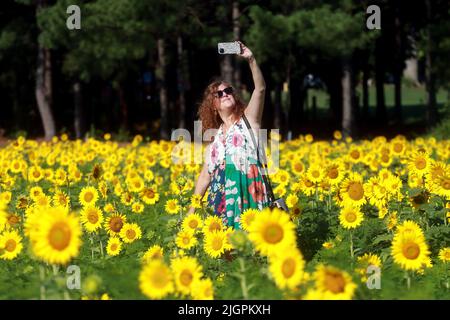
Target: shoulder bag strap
x,y
264,176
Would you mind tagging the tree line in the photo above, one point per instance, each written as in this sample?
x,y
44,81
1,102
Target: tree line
x,y
141,65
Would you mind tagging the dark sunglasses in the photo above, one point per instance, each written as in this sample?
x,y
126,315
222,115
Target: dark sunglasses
x,y
228,90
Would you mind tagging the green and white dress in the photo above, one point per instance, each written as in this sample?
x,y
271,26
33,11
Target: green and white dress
x,y
236,182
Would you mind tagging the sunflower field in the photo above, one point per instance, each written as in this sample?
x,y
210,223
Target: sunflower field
x,y
368,219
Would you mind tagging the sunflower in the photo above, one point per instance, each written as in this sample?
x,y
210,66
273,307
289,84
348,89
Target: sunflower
x,y
154,252
88,196
172,206
56,235
355,154
10,245
130,232
315,173
270,230
352,190
333,284
419,163
203,290
410,250
186,239
150,195
287,267
35,192
335,173
350,217
114,246
92,218
366,260
409,227
443,186
137,207
60,198
192,222
297,167
247,218
291,201
186,271
307,186
196,201
114,223
444,254
156,279
215,243
211,224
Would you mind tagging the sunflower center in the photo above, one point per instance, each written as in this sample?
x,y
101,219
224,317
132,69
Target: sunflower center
x,y
385,158
193,224
355,191
59,236
159,279
421,163
288,267
36,174
13,219
10,245
298,167
273,234
131,234
92,217
333,173
216,244
355,154
316,174
88,196
186,277
115,224
214,226
334,282
186,240
446,184
308,183
350,217
114,247
398,147
411,250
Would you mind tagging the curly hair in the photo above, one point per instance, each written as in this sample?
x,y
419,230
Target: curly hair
x,y
206,111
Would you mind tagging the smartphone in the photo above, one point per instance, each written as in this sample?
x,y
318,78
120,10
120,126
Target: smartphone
x,y
229,47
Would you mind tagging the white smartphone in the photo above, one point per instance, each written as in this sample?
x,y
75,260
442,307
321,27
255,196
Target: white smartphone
x,y
229,47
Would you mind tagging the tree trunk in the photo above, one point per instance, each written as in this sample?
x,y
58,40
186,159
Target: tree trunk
x,y
163,100
365,93
431,114
79,124
379,83
181,83
237,34
347,99
398,68
44,90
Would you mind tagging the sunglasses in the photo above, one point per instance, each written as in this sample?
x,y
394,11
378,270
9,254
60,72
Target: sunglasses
x,y
228,90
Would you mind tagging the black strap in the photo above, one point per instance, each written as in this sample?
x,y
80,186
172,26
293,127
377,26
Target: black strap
x,y
263,175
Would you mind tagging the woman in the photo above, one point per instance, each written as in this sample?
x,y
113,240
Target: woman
x,y
231,169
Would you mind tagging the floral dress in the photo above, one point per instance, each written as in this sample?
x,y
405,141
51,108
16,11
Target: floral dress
x,y
236,182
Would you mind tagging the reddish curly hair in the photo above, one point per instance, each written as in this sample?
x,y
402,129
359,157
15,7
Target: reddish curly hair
x,y
209,118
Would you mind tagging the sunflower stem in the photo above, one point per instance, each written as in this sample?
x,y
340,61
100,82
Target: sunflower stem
x,y
243,279
42,286
351,245
408,280
101,245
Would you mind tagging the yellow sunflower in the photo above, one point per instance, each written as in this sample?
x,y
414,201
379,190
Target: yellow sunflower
x,y
88,196
333,284
287,268
350,217
247,218
215,243
419,163
203,290
114,224
444,254
212,223
192,222
352,190
186,239
172,206
186,272
114,246
315,173
10,245
364,261
271,230
56,236
156,279
92,218
130,232
410,251
154,252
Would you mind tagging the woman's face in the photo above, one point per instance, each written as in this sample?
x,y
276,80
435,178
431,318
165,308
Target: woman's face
x,y
226,101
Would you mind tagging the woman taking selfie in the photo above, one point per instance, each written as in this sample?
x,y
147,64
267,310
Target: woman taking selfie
x,y
231,169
